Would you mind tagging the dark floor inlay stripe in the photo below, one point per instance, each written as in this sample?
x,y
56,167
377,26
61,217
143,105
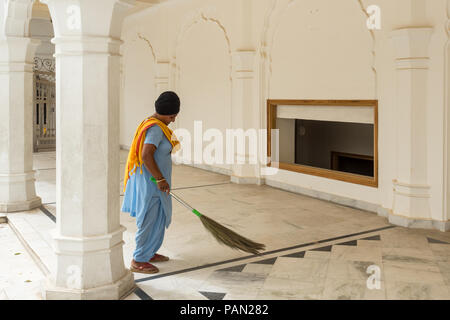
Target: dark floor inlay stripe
x,y
326,248
141,294
238,268
377,237
348,243
300,254
213,295
168,274
267,261
48,213
431,240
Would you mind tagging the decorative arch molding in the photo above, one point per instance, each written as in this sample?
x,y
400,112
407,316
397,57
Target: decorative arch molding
x,y
208,15
136,35
15,16
131,38
274,15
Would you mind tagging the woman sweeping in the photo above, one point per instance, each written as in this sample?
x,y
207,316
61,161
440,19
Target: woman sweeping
x,y
151,204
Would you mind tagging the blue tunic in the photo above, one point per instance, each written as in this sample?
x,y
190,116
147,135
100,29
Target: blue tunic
x,y
141,191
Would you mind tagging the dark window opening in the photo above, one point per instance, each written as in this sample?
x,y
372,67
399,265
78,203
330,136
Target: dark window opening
x,y
340,146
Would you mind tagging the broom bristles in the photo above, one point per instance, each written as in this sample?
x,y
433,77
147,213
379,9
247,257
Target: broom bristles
x,y
230,238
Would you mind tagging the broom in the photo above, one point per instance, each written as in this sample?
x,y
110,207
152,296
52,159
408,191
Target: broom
x,y
222,234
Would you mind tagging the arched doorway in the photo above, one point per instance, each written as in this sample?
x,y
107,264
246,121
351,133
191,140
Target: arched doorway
x,y
44,115
44,89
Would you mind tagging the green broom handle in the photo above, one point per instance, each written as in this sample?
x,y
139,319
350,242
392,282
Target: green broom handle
x,y
181,201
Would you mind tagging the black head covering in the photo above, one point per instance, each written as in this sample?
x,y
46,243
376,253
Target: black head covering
x,y
168,103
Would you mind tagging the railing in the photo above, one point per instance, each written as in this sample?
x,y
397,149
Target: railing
x,y
44,120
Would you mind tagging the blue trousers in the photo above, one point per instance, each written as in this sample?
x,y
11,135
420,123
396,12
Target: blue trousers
x,y
150,233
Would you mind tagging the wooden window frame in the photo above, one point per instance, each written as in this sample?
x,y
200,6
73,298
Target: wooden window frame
x,y
320,172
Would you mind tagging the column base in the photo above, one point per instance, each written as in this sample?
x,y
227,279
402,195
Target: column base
x,y
21,205
115,291
406,222
411,201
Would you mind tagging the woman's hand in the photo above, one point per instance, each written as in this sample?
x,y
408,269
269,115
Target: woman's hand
x,y
164,186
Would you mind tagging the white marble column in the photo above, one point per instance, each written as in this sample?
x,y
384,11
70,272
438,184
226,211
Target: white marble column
x,y
411,186
17,189
88,236
245,117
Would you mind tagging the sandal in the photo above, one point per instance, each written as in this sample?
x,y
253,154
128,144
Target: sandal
x,y
159,258
145,267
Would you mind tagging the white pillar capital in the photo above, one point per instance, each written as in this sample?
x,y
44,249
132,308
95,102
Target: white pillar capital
x,y
18,50
88,18
411,47
77,45
243,63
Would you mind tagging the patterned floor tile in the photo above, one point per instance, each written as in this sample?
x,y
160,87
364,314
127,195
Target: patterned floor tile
x,y
311,254
300,254
258,268
325,248
348,289
400,290
267,261
403,273
238,268
213,295
288,289
354,270
377,237
356,253
300,269
431,240
348,243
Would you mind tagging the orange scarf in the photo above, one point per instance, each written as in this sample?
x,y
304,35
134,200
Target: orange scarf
x,y
135,155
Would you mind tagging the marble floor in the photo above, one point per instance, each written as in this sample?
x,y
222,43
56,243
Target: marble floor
x,y
314,249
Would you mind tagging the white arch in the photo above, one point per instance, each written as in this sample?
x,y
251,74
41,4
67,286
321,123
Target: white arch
x,y
136,35
198,16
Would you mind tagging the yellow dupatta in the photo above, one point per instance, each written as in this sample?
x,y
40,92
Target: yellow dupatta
x,y
135,155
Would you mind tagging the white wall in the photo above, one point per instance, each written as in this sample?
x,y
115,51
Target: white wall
x,y
138,96
308,49
203,79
